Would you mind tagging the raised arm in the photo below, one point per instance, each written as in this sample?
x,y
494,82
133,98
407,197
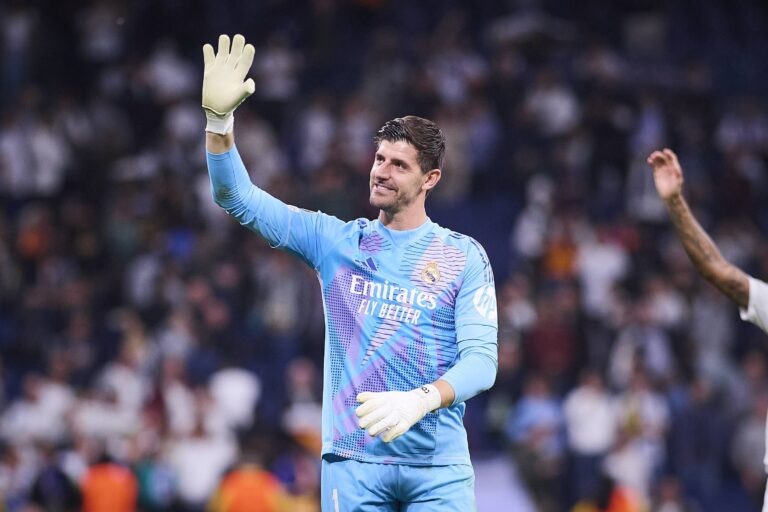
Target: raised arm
x,y
305,234
706,257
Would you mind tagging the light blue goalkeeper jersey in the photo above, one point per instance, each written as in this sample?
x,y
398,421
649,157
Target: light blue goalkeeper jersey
x,y
402,309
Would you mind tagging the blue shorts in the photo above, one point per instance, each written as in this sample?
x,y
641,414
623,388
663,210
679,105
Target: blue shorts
x,y
352,486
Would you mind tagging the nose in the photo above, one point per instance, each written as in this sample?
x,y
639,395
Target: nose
x,y
381,171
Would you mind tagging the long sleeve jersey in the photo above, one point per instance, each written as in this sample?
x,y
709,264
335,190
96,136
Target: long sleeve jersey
x,y
402,309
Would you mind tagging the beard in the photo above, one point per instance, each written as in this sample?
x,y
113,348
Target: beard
x,y
382,203
393,200
387,199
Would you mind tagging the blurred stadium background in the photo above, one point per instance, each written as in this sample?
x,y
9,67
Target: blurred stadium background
x,y
149,344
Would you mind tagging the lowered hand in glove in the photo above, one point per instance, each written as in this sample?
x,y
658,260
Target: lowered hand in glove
x,y
395,412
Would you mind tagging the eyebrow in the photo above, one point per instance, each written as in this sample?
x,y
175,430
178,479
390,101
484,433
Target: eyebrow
x,y
396,161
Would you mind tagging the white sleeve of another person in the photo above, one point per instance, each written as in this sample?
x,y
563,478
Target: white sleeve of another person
x,y
757,310
757,313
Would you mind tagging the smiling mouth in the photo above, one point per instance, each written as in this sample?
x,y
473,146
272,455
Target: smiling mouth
x,y
381,188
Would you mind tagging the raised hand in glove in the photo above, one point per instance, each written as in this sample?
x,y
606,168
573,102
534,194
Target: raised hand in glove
x,y
224,84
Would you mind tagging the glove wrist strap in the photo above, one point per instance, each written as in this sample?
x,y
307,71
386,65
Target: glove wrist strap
x,y
219,124
431,396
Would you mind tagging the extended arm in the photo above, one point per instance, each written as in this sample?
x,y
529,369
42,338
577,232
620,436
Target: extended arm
x,y
303,233
477,329
705,255
475,371
224,89
702,251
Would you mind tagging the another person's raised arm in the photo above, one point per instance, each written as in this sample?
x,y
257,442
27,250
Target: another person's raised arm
x,y
706,257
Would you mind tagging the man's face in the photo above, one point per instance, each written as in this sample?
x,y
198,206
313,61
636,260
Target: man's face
x,y
396,177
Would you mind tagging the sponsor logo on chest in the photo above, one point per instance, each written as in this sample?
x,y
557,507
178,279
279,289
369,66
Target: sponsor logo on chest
x,y
391,301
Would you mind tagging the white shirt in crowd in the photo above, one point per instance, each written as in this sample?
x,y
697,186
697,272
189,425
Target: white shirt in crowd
x,y
590,420
235,393
199,462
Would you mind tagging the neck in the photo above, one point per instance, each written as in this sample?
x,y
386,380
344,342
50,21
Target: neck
x,y
403,220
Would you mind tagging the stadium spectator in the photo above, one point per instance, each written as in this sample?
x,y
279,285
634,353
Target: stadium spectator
x,y
107,485
591,424
534,432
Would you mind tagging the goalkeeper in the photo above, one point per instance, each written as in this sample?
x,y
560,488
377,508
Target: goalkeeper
x,y
411,330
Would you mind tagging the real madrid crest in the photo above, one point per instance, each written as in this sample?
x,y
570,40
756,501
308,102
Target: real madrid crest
x,y
431,274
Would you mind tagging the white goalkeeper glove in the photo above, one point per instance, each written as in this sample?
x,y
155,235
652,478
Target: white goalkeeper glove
x,y
223,85
395,411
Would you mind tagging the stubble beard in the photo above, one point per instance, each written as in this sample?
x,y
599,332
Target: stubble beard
x,y
388,207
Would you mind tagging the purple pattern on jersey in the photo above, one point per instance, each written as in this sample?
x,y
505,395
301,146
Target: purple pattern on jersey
x,y
390,327
341,309
374,243
385,331
449,260
403,359
353,352
372,378
381,375
422,358
442,318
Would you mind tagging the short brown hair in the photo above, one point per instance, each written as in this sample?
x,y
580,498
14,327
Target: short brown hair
x,y
422,134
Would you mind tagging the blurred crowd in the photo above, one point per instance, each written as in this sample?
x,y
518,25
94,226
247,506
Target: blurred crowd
x,y
155,354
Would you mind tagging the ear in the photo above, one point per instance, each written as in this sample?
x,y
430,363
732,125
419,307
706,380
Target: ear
x,y
432,177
